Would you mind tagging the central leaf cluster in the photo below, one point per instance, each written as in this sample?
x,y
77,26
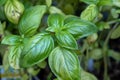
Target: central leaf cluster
x,y
32,48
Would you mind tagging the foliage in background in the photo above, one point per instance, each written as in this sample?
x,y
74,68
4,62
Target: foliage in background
x,y
39,33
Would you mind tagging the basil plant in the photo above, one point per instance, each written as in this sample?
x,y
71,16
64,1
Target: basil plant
x,y
57,42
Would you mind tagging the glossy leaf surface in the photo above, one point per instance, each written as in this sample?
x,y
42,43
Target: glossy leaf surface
x,y
36,49
66,40
11,40
14,56
64,64
80,28
31,19
55,21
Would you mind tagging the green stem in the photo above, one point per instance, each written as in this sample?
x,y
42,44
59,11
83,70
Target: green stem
x,y
105,51
30,77
81,57
113,21
87,58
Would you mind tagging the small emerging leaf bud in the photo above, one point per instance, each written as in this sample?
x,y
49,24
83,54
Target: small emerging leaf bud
x,y
92,38
13,10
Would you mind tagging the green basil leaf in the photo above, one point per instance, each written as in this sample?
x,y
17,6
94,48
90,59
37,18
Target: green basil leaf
x,y
116,3
103,25
105,2
64,64
96,54
14,56
30,20
89,13
55,21
36,49
80,28
113,54
87,76
11,40
66,40
116,33
54,10
13,10
114,13
5,61
90,1
70,18
48,2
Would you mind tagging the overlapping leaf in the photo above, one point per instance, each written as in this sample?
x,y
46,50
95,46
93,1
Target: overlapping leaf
x,y
79,28
31,19
54,10
90,1
105,2
36,49
66,40
14,56
89,13
73,25
13,10
87,76
64,64
55,22
11,40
